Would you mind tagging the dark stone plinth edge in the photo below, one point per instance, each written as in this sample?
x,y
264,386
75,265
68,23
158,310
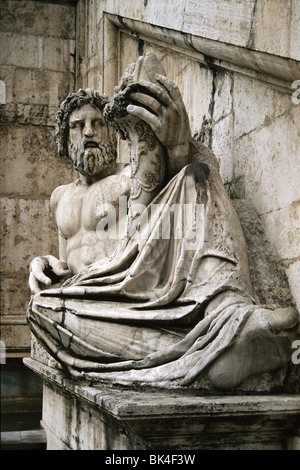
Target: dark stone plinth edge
x,y
124,403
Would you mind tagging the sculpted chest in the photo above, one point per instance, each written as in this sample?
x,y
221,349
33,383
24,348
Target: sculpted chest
x,y
81,208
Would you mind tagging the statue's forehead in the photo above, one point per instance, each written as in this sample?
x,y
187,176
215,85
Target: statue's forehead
x,y
85,111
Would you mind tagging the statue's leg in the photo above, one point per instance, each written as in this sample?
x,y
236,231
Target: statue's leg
x,y
263,346
61,329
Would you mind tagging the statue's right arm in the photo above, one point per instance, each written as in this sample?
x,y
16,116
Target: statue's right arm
x,y
41,272
43,267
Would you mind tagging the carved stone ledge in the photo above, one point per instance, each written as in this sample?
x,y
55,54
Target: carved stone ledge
x,y
269,67
80,417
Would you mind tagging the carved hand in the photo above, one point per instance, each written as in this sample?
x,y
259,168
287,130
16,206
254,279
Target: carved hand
x,y
165,112
44,271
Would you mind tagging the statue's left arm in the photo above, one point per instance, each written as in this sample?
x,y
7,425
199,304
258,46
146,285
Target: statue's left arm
x,y
162,107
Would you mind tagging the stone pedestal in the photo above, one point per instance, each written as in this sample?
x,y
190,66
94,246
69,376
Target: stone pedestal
x,y
80,417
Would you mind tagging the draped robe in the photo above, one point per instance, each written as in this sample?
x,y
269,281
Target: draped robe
x,y
165,307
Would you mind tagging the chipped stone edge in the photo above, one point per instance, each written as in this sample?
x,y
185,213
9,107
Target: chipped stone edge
x,y
122,403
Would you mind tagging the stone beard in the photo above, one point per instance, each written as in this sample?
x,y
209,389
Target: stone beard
x,y
93,159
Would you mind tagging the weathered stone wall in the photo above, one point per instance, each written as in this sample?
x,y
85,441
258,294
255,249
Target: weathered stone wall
x,y
235,63
37,67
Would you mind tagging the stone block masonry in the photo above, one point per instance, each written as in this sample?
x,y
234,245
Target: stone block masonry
x,y
37,69
80,417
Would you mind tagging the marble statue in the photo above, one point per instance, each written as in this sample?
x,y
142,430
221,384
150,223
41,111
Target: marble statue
x,y
152,283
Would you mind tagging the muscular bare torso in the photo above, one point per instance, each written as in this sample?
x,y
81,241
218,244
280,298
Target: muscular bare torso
x,y
81,213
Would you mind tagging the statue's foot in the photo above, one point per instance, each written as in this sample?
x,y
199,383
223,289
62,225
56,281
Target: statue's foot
x,y
263,346
284,319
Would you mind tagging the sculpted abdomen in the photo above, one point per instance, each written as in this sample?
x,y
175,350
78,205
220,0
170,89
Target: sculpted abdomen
x,y
82,250
86,247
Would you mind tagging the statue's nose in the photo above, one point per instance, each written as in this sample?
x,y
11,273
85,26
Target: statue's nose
x,y
88,129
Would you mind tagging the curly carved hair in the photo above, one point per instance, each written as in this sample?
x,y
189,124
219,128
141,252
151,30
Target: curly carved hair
x,y
72,102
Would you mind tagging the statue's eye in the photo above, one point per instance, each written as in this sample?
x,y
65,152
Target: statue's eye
x,y
98,123
76,125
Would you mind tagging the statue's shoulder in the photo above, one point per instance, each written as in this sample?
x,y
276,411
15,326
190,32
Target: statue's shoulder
x,y
123,173
123,169
58,193
120,181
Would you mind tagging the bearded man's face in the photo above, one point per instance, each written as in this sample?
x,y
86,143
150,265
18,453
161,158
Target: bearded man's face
x,y
90,145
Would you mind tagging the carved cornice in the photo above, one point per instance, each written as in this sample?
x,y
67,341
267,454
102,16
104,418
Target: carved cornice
x,y
278,70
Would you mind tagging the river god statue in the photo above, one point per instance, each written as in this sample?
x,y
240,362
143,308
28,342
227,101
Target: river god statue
x,y
152,285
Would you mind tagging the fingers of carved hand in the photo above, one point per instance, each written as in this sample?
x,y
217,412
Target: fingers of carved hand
x,y
34,284
145,115
61,269
37,267
170,86
58,267
156,91
147,100
38,264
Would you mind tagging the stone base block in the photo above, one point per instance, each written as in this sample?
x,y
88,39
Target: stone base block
x,y
80,417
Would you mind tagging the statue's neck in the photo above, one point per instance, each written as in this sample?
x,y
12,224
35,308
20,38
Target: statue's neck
x,y
91,179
